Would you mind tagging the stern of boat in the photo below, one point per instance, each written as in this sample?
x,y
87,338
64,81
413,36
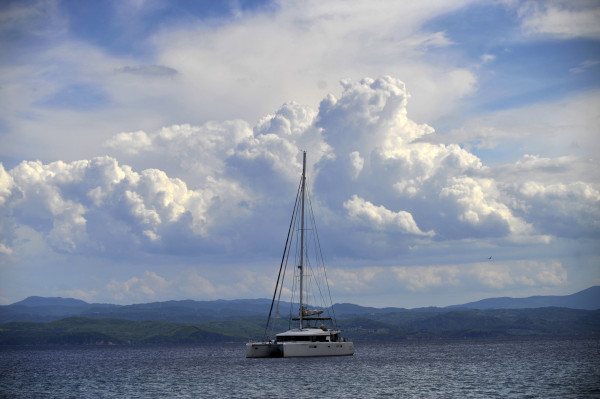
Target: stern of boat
x,y
263,349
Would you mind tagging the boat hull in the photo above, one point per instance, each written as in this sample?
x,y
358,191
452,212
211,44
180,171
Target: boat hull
x,y
311,349
299,349
264,349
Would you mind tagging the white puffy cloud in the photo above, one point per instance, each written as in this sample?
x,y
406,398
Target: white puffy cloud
x,y
41,203
563,210
130,143
6,184
368,162
84,205
279,138
380,218
392,179
477,205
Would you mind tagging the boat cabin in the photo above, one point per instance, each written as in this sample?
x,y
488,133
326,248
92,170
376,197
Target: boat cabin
x,y
308,335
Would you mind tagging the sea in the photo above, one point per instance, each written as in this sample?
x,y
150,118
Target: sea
x,y
515,368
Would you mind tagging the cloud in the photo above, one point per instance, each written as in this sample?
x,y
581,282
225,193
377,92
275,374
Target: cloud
x,y
519,273
99,205
369,122
355,280
565,127
148,70
585,65
369,166
240,53
382,186
357,163
547,208
196,286
562,19
189,283
40,18
486,58
491,275
130,143
420,278
6,184
5,250
380,218
85,90
139,289
476,206
85,295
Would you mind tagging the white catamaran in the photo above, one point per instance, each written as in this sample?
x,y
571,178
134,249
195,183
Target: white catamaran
x,y
312,337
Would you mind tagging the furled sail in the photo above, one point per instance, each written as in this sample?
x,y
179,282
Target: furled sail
x,y
307,312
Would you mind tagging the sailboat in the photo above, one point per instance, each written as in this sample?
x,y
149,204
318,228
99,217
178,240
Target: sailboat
x,y
314,334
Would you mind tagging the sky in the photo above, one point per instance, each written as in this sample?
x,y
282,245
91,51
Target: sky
x,y
150,150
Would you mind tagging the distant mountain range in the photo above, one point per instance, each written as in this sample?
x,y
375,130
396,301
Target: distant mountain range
x,y
588,299
42,309
67,321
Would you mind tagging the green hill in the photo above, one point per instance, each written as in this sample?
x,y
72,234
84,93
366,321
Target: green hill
x,y
424,324
86,331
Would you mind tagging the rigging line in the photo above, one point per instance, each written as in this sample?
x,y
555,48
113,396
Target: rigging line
x,y
317,271
314,272
280,292
313,276
287,258
280,266
322,261
293,297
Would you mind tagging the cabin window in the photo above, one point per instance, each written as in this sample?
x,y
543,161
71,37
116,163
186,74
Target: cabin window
x,y
294,338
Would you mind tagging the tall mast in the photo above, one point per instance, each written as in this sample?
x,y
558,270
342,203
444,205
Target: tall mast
x,y
301,267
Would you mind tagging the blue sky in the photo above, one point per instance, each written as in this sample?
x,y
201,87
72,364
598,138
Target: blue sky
x,y
150,149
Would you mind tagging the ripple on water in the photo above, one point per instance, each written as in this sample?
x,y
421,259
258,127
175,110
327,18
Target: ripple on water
x,y
426,369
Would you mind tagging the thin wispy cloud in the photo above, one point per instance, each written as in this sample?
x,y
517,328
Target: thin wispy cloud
x,y
148,70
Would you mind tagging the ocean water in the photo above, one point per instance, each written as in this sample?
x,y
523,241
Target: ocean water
x,y
550,368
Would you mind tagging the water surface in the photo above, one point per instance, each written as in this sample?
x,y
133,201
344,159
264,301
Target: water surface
x,y
557,368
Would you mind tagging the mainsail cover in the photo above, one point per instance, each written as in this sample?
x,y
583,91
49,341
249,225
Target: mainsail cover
x,y
307,312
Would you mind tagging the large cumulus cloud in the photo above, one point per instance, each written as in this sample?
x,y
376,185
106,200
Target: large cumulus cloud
x,y
101,206
383,164
375,175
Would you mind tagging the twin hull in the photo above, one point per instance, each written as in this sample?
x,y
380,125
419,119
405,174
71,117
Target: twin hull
x,y
299,349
